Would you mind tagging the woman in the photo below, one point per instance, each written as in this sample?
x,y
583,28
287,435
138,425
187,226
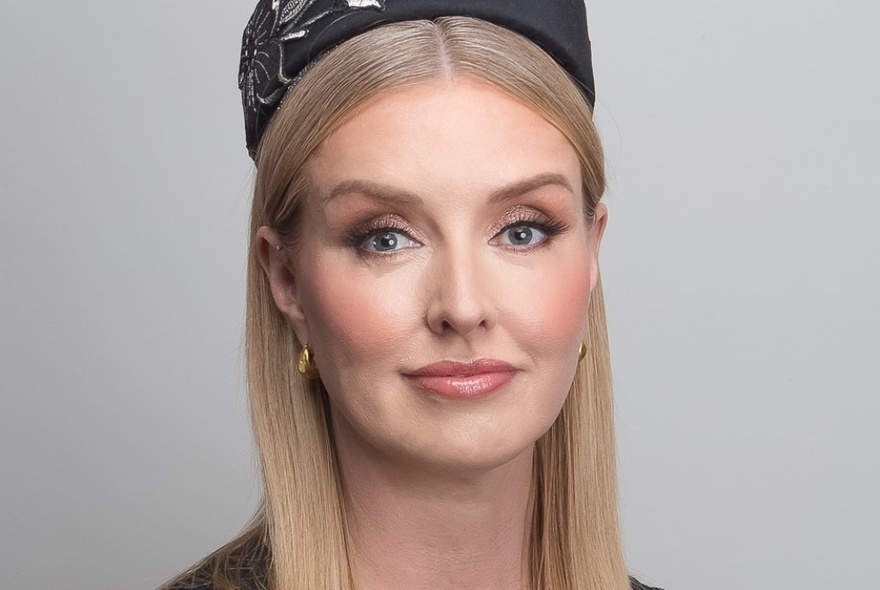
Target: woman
x,y
427,359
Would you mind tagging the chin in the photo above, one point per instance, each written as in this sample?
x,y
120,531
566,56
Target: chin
x,y
475,452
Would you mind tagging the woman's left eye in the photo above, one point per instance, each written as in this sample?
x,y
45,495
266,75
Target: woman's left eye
x,y
521,234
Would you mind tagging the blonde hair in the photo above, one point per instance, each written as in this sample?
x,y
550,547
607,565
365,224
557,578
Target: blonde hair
x,y
300,527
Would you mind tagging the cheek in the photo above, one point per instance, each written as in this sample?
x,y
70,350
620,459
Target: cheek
x,y
555,309
353,316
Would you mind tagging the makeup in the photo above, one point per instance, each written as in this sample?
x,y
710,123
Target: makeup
x,y
468,380
443,276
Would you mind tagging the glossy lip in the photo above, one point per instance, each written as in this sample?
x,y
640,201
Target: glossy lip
x,y
464,380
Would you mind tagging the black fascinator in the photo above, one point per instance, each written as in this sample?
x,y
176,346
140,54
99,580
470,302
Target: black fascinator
x,y
284,36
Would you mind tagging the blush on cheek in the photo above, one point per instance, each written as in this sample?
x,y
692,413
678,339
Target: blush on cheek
x,y
356,315
559,309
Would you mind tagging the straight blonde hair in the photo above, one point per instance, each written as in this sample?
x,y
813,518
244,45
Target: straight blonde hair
x,y
299,531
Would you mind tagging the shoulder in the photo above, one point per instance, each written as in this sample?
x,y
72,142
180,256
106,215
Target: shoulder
x,y
236,578
204,583
190,582
636,585
241,564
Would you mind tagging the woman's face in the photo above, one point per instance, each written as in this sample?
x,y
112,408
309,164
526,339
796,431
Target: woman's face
x,y
443,276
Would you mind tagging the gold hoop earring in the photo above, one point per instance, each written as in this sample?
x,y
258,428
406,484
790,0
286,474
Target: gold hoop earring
x,y
306,365
582,351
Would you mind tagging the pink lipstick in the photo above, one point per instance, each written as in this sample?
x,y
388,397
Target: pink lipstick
x,y
468,380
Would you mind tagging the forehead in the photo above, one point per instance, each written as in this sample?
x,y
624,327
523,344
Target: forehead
x,y
443,138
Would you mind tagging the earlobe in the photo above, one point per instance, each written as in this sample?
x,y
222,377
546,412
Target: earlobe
x,y
275,261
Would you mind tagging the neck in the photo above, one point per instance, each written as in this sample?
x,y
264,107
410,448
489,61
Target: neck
x,y
416,528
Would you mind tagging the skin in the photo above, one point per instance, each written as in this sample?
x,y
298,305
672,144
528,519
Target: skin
x,y
477,200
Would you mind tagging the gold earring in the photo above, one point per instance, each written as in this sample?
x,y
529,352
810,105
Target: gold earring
x,y
582,351
306,365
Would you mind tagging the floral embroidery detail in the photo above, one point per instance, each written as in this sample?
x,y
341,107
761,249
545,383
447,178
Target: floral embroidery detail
x,y
274,23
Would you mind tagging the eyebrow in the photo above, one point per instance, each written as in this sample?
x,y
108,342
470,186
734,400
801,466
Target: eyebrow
x,y
390,194
373,190
521,187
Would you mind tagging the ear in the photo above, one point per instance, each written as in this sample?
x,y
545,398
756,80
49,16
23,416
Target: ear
x,y
597,230
276,263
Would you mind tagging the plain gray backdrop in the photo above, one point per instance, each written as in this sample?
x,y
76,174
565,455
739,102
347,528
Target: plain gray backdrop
x,y
740,268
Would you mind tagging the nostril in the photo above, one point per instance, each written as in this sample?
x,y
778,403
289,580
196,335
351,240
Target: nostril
x,y
459,294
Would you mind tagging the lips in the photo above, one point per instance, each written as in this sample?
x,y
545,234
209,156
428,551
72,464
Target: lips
x,y
469,380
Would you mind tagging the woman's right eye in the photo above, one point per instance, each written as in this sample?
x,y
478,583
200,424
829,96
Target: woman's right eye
x,y
387,241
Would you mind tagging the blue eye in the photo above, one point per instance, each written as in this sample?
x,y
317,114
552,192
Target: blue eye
x,y
521,235
387,241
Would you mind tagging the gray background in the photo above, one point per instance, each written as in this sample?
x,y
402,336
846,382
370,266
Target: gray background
x,y
740,267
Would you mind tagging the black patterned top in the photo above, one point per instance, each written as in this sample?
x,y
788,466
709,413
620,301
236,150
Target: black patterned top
x,y
636,585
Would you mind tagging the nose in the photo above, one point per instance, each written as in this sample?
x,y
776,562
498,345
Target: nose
x,y
460,286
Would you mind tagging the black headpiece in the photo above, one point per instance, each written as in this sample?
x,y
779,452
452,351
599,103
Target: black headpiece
x,y
284,36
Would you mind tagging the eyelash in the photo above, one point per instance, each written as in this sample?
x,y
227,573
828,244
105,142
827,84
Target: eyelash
x,y
359,234
356,237
549,226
